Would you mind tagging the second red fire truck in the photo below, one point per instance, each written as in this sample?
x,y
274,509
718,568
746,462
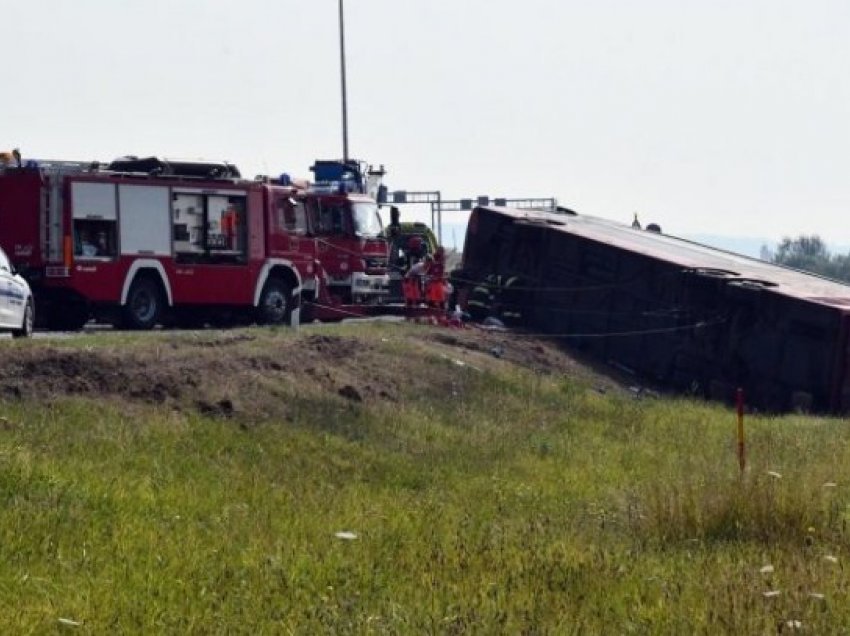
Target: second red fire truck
x,y
140,242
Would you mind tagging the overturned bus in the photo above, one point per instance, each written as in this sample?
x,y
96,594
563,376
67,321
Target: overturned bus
x,y
685,315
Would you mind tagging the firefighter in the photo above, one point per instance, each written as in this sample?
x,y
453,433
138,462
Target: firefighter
x,y
421,269
415,251
483,297
437,287
498,296
398,244
414,280
511,300
394,228
229,222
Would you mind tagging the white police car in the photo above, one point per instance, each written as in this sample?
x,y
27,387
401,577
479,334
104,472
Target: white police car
x,y
17,310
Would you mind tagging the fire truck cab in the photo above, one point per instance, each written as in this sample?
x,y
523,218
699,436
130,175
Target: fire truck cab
x,y
139,241
350,244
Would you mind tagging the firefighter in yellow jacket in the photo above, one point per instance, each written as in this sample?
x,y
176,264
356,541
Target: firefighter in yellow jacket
x,y
498,296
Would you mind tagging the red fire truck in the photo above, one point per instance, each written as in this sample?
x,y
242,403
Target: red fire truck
x,y
143,241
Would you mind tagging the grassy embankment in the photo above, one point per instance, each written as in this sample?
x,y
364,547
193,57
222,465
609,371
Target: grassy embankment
x,y
517,503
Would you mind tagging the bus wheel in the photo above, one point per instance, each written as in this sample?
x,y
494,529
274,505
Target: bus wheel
x,y
144,305
275,303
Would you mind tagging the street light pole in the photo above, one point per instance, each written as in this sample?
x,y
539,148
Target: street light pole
x,y
342,73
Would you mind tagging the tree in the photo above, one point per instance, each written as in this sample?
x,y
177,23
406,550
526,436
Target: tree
x,y
810,253
803,252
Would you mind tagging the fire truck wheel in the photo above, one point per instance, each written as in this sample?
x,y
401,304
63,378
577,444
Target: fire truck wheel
x,y
275,305
144,305
29,319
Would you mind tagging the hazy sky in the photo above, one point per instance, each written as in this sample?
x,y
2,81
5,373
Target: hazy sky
x,y
724,117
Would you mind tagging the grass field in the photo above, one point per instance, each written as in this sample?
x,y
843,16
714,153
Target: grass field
x,y
508,502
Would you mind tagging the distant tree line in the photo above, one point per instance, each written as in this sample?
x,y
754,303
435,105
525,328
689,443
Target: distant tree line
x,y
809,253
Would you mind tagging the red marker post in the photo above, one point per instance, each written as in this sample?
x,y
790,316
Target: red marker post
x,y
742,455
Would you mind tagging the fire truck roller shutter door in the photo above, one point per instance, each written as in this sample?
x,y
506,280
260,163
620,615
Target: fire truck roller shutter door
x,y
145,219
95,215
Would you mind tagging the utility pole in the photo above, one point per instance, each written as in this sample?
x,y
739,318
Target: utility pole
x,y
342,73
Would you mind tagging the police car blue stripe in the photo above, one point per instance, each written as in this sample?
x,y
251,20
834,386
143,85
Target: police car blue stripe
x,y
14,294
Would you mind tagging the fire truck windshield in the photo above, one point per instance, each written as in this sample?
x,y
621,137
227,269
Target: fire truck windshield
x,y
366,220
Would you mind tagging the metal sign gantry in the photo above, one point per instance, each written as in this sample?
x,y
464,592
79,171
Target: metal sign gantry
x,y
439,205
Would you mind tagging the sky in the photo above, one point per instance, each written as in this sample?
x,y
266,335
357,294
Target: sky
x,y
724,117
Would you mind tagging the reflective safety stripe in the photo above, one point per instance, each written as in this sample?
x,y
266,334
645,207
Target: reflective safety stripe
x,y
480,295
485,293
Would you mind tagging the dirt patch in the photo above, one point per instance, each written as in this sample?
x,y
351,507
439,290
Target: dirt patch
x,y
238,374
530,353
44,372
542,355
215,375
